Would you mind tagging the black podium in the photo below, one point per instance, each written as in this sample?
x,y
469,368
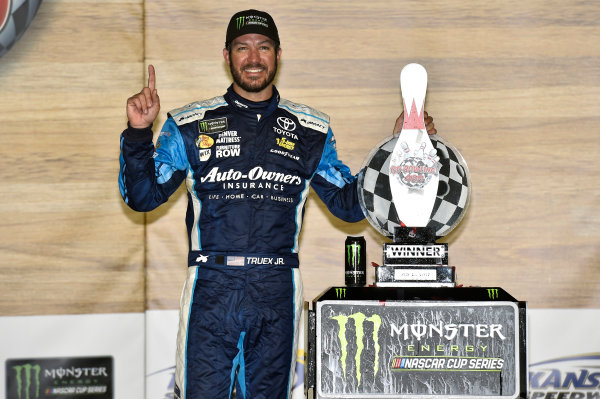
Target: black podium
x,y
416,342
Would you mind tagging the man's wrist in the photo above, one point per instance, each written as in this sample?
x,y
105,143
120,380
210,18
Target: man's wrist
x,y
138,134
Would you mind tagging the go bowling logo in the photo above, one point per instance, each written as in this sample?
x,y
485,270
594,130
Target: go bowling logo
x,y
416,170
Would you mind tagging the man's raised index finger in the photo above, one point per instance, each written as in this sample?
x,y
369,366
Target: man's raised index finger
x,y
151,77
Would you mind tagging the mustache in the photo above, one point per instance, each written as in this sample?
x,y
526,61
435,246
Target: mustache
x,y
253,65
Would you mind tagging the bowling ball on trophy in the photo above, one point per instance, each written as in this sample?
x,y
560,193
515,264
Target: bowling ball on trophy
x,y
15,17
453,194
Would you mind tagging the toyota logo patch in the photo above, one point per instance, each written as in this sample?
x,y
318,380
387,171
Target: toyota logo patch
x,y
286,123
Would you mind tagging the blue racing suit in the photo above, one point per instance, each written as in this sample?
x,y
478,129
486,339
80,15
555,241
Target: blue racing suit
x,y
248,168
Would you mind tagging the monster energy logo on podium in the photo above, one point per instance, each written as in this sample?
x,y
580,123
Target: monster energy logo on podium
x,y
355,262
492,293
359,319
27,377
340,293
417,348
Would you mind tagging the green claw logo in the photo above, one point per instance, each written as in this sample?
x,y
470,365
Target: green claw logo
x,y
359,319
353,253
24,380
240,21
492,293
340,293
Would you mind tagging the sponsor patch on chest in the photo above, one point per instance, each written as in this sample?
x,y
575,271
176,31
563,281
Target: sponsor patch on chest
x,y
212,125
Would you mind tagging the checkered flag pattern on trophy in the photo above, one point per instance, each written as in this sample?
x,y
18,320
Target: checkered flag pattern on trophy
x,y
413,179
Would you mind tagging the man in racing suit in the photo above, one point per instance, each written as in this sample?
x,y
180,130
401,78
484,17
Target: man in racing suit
x,y
248,159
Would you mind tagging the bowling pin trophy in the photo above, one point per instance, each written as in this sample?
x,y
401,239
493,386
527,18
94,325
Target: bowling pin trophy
x,y
414,333
414,175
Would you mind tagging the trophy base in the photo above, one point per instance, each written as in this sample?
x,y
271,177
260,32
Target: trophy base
x,y
416,343
414,276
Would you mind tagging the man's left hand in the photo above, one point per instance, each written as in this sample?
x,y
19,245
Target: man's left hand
x,y
428,124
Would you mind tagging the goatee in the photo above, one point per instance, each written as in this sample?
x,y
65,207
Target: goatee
x,y
252,86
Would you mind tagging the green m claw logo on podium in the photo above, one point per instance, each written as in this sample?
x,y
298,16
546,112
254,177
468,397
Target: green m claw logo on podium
x,y
27,375
359,320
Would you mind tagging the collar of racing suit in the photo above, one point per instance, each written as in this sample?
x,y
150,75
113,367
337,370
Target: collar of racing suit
x,y
242,105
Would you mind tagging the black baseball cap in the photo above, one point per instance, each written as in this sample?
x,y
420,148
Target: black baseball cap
x,y
251,21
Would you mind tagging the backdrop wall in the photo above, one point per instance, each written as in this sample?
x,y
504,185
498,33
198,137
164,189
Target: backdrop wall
x,y
513,85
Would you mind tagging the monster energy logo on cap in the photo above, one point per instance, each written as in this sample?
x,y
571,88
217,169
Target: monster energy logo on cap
x,y
251,21
359,319
240,22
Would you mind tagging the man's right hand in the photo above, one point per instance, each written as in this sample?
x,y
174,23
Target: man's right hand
x,y
143,107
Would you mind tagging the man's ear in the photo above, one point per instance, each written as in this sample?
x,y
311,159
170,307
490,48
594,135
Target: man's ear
x,y
226,54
